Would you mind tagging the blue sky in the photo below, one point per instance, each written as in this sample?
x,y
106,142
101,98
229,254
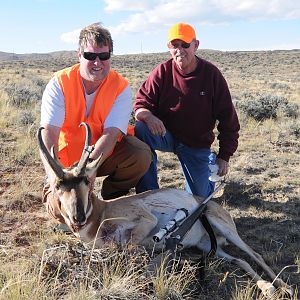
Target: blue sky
x,y
41,26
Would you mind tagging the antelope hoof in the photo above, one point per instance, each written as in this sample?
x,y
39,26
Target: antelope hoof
x,y
285,288
266,288
288,290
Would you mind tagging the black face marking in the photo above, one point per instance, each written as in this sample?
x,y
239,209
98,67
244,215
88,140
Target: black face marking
x,y
80,217
66,185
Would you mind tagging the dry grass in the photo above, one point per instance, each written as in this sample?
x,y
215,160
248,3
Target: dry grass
x,y
262,192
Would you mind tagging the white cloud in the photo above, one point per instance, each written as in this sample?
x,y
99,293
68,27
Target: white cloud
x,y
161,16
129,5
71,37
257,9
151,16
162,13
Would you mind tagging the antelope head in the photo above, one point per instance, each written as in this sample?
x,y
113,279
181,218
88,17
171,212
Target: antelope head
x,y
72,184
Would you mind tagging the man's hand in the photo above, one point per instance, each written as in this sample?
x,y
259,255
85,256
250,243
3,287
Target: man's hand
x,y
223,166
106,143
104,147
155,125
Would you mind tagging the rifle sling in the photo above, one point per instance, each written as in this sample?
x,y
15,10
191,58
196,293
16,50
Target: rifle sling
x,y
211,234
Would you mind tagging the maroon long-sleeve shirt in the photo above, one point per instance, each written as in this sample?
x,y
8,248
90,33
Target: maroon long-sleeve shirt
x,y
190,104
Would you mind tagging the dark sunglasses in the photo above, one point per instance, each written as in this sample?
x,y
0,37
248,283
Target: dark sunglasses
x,y
92,56
182,45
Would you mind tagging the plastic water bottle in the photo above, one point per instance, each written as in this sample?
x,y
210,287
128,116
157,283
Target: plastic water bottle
x,y
214,177
214,168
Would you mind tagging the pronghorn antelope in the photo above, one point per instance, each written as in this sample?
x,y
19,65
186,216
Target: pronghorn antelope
x,y
138,217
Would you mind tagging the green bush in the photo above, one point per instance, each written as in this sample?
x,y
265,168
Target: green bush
x,y
280,86
294,129
261,107
23,94
26,117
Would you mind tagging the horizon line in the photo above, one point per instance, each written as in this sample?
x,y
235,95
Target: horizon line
x,y
142,52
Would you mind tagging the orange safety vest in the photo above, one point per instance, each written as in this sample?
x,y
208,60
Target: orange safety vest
x,y
72,137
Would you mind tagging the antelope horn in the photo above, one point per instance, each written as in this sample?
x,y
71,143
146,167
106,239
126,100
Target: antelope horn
x,y
53,154
57,169
87,150
96,163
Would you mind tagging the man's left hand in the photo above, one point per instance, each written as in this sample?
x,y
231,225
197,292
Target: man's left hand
x,y
223,166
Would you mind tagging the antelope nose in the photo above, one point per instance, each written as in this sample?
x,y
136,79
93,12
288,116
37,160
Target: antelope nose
x,y
80,219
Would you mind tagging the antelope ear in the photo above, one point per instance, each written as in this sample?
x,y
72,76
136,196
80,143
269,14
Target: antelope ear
x,y
93,166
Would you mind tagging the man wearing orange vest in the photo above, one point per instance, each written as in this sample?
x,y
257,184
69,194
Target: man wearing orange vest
x,y
94,93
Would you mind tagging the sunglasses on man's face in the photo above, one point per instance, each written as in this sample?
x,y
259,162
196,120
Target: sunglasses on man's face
x,y
177,45
92,56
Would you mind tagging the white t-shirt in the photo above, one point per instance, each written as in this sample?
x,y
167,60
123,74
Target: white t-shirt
x,y
53,107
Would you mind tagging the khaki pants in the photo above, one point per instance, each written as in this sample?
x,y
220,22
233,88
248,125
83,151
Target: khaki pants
x,y
129,161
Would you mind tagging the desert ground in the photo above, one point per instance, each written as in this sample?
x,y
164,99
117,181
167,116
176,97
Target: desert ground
x,y
261,193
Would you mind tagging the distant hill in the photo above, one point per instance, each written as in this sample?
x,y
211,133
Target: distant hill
x,y
7,56
71,55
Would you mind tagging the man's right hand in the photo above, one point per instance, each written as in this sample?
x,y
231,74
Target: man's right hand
x,y
155,125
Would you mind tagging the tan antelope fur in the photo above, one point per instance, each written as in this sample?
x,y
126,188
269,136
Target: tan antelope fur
x,y
136,218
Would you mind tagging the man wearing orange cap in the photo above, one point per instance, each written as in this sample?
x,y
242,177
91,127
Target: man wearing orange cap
x,y
177,108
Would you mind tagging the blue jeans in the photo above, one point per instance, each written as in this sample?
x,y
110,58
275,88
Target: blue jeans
x,y
194,162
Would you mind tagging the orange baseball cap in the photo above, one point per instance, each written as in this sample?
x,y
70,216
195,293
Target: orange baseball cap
x,y
181,31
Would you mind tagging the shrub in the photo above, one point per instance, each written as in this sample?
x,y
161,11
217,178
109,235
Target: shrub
x,y
294,129
263,107
290,110
280,86
26,117
22,94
